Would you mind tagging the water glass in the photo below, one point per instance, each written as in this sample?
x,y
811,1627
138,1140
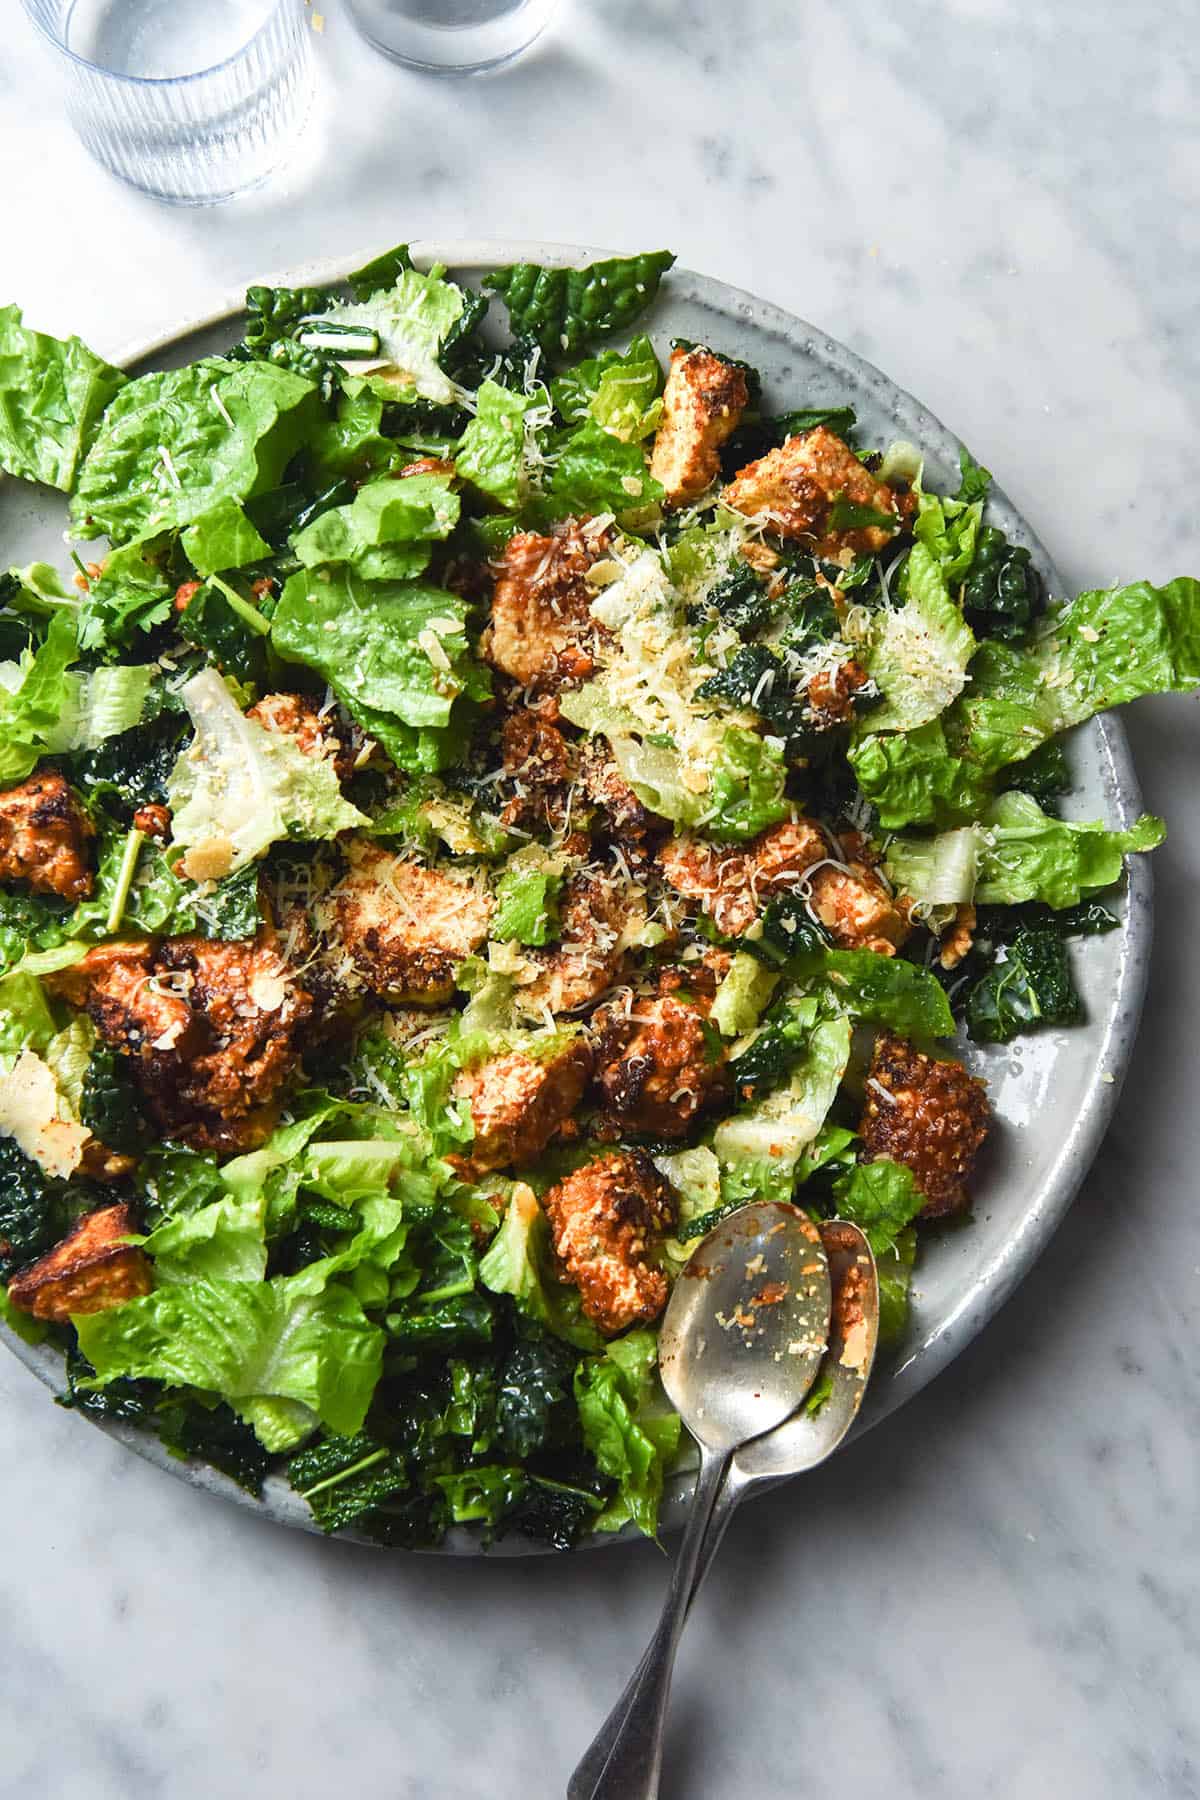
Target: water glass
x,y
451,37
189,100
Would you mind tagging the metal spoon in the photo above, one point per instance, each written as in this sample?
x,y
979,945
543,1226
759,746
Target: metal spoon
x,y
800,1443
742,1338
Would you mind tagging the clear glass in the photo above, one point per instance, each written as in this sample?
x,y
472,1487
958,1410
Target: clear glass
x,y
189,100
451,37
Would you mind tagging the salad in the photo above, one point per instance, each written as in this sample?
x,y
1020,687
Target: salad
x,y
475,813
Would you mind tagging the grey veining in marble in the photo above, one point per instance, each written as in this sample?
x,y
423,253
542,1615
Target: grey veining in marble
x,y
996,1593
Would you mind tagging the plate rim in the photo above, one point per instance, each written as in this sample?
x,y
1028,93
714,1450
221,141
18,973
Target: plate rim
x,y
992,1287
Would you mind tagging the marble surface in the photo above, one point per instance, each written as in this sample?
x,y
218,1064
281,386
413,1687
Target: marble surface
x,y
996,1593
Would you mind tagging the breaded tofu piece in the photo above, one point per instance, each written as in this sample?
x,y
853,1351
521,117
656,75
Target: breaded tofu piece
x,y
398,929
607,1220
213,1029
44,837
517,1101
539,766
731,885
829,698
793,489
601,916
541,631
703,403
857,909
930,1115
89,1271
659,1064
315,732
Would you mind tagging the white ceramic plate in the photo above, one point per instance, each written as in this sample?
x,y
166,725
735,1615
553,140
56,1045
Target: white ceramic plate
x,y
1053,1094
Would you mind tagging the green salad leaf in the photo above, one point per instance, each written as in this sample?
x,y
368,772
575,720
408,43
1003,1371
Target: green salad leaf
x,y
565,309
53,392
491,452
628,1427
385,532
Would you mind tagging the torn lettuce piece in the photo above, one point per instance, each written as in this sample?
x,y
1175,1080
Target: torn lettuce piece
x,y
396,654
913,778
225,1241
223,538
759,1149
175,443
35,696
238,788
491,452
52,394
918,653
518,1262
385,532
595,472
936,871
744,992
407,324
620,390
738,794
629,1427
100,704
565,308
527,902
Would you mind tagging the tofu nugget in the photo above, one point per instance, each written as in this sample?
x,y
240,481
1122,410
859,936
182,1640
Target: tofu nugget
x,y
659,1064
400,930
857,908
607,1220
541,630
518,1100
928,1114
794,489
316,733
212,1030
44,837
731,885
703,403
539,765
89,1271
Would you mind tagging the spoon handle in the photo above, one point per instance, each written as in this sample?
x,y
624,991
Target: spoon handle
x,y
631,1768
583,1783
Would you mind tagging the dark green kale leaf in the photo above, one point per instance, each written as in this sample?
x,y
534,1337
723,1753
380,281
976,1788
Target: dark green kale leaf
x,y
216,1435
738,599
274,316
566,308
464,1322
463,347
422,420
1044,775
535,1407
34,1213
232,910
30,922
1031,986
131,770
771,1056
346,1480
757,436
381,272
1003,592
787,930
758,679
283,512
212,622
556,1512
110,1103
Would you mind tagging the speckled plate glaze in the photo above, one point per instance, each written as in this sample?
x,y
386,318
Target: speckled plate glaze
x,y
1054,1094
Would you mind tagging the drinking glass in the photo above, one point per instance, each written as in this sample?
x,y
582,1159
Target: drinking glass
x,y
189,100
451,37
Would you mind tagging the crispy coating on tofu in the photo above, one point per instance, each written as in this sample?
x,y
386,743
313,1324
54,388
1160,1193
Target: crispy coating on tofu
x,y
517,1101
830,695
930,1115
793,489
316,733
539,764
626,820
858,909
44,837
89,1271
703,403
606,1220
601,916
659,1064
731,885
212,1029
400,930
541,631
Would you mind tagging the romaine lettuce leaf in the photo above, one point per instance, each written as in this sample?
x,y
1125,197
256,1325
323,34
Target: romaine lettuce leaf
x,y
937,871
919,652
224,1241
914,778
395,654
34,699
595,472
223,538
619,390
1030,856
52,393
175,443
411,320
386,530
759,1148
565,308
628,1427
518,1262
491,454
239,788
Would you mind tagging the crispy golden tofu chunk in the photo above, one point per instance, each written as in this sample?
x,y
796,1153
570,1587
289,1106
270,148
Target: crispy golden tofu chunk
x,y
91,1270
213,1029
659,1064
731,885
518,1100
857,909
607,1220
792,491
928,1114
400,930
703,403
541,631
315,732
602,916
539,766
44,837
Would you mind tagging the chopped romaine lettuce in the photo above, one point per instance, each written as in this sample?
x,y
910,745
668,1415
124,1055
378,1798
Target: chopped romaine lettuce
x,y
52,394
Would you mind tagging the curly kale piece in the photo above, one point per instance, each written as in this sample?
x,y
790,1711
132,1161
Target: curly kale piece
x,y
535,1407
33,1209
758,679
381,272
557,1512
109,1104
738,599
566,308
1003,592
1032,986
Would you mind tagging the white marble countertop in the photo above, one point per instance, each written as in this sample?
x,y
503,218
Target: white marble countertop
x,y
996,1592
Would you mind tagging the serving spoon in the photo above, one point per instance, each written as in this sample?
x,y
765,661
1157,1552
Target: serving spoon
x,y
741,1341
801,1442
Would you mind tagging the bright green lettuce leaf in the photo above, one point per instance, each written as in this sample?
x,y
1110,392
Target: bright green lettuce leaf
x,y
919,652
385,531
887,990
411,321
759,1148
491,454
395,654
747,782
695,1176
913,778
564,308
595,472
742,995
519,1262
34,699
937,871
40,590
948,529
350,440
29,1330
52,393
1030,856
224,1241
628,1427
526,905
882,1198
174,443
243,786
272,1173
619,389
248,1342
223,538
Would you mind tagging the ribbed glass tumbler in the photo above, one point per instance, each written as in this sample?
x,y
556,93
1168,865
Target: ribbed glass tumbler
x,y
189,100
